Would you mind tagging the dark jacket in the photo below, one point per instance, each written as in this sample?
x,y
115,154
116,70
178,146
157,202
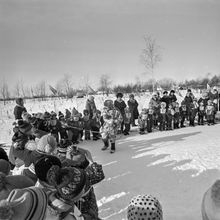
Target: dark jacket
x,y
172,98
120,106
188,100
133,108
18,110
91,107
166,99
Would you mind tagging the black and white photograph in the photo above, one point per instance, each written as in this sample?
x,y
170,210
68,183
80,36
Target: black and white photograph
x,y
109,110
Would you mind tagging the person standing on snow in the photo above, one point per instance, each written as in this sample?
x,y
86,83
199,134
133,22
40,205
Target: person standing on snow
x,y
19,109
133,107
90,106
120,105
112,119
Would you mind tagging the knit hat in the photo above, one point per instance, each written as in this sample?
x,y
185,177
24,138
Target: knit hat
x,y
69,182
47,144
28,204
75,113
24,127
211,203
5,166
43,165
8,183
144,207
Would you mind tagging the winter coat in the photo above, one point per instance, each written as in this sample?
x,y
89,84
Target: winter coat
x,y
91,107
188,100
133,107
120,106
18,110
204,100
172,98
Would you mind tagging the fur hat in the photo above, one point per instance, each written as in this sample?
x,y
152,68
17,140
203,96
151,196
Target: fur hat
x,y
211,203
47,144
60,115
165,92
119,94
144,207
24,127
19,101
108,103
43,165
5,166
172,91
68,181
8,183
131,96
30,203
46,115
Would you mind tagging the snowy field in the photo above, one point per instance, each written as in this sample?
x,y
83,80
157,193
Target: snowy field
x,y
175,166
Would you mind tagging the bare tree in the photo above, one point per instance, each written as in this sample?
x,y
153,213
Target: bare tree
x,y
4,91
40,90
104,83
17,90
151,56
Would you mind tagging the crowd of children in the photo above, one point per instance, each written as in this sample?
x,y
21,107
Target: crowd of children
x,y
167,114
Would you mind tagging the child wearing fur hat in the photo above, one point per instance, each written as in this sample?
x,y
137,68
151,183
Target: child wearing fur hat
x,y
170,117
210,113
193,108
142,121
54,126
144,207
95,125
201,113
183,114
162,116
150,119
127,121
74,126
112,121
87,124
176,115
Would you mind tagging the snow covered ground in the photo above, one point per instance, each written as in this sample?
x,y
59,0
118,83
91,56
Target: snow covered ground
x,y
175,166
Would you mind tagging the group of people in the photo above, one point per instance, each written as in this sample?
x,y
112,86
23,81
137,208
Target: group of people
x,y
56,176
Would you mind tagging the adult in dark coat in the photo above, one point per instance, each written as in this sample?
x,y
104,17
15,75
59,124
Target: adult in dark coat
x,y
172,96
19,109
90,106
165,98
120,106
188,100
133,108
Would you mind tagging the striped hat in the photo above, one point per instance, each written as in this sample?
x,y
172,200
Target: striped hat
x,y
211,203
144,207
28,204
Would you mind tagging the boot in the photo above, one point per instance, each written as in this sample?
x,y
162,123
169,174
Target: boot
x,y
112,148
106,144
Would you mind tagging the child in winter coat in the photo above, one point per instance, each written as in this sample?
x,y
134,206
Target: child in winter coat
x,y
54,126
162,116
74,127
127,121
95,125
210,113
176,115
201,113
183,114
112,121
142,121
87,124
150,119
170,117
192,112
